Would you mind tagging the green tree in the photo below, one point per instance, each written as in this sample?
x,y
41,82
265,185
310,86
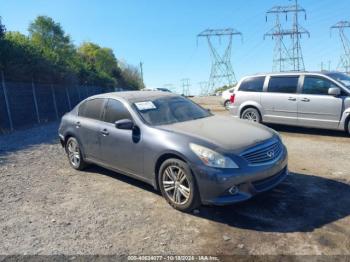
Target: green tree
x,y
131,77
101,61
55,45
49,55
2,29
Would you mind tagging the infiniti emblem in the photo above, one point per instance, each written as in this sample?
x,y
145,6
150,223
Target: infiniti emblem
x,y
271,154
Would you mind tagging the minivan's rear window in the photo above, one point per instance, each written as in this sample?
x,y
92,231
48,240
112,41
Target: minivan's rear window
x,y
279,84
252,84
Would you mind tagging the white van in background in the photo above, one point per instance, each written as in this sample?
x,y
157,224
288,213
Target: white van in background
x,y
225,97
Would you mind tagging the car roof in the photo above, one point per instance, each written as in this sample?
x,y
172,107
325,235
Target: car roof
x,y
294,73
135,96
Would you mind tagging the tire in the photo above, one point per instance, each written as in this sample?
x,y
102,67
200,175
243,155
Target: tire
x,y
178,185
251,114
74,154
348,127
226,104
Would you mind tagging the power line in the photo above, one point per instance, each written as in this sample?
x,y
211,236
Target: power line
x,y
221,69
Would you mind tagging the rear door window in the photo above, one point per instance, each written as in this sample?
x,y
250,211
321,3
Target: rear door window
x,y
92,108
115,110
283,84
252,84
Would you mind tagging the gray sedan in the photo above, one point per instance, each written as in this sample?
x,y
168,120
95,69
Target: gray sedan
x,y
181,149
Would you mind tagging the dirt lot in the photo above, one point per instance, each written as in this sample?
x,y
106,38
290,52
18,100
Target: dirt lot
x,y
46,207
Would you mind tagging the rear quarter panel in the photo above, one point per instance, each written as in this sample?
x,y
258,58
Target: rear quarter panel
x,y
246,99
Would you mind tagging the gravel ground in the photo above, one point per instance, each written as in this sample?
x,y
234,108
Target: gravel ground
x,y
46,207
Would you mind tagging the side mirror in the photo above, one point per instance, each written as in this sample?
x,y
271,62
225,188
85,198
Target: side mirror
x,y
334,91
126,124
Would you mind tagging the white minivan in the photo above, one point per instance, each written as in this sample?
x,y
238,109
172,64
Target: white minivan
x,y
310,99
225,97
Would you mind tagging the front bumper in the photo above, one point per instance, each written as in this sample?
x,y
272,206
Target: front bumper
x,y
214,184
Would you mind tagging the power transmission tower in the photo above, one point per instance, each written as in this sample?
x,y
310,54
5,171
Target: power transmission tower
x,y
344,63
292,56
2,29
281,58
203,86
221,69
185,86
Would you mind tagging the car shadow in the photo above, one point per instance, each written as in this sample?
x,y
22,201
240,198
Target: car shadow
x,y
307,131
301,203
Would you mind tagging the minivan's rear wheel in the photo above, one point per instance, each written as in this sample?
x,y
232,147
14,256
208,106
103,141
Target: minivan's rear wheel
x,y
178,185
74,154
251,114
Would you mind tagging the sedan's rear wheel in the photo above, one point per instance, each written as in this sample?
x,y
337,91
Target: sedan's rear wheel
x,y
178,186
251,114
74,154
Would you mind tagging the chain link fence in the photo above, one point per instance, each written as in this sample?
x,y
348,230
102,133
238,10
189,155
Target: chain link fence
x,y
27,104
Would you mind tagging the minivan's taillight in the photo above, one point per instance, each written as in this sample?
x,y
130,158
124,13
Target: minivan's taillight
x,y
232,98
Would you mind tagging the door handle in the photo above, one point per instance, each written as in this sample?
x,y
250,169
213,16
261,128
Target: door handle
x,y
77,124
292,99
305,100
104,132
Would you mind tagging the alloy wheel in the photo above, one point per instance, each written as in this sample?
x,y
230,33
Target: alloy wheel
x,y
176,185
73,152
250,116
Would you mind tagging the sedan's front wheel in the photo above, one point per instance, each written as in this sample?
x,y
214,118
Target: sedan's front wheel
x,y
178,185
74,154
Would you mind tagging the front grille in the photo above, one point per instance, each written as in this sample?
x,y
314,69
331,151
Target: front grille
x,y
263,153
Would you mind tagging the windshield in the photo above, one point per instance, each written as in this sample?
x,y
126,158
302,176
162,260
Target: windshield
x,y
169,110
340,77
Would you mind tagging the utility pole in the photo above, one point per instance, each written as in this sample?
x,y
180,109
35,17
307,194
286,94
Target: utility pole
x,y
141,71
291,57
344,63
185,86
221,68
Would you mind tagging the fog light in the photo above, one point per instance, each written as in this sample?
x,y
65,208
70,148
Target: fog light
x,y
233,190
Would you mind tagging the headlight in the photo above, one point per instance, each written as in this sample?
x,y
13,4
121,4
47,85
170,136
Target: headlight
x,y
212,158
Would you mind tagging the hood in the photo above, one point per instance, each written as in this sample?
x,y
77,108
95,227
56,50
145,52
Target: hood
x,y
226,132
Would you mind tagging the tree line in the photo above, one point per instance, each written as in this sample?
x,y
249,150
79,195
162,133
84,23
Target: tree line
x,y
47,54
